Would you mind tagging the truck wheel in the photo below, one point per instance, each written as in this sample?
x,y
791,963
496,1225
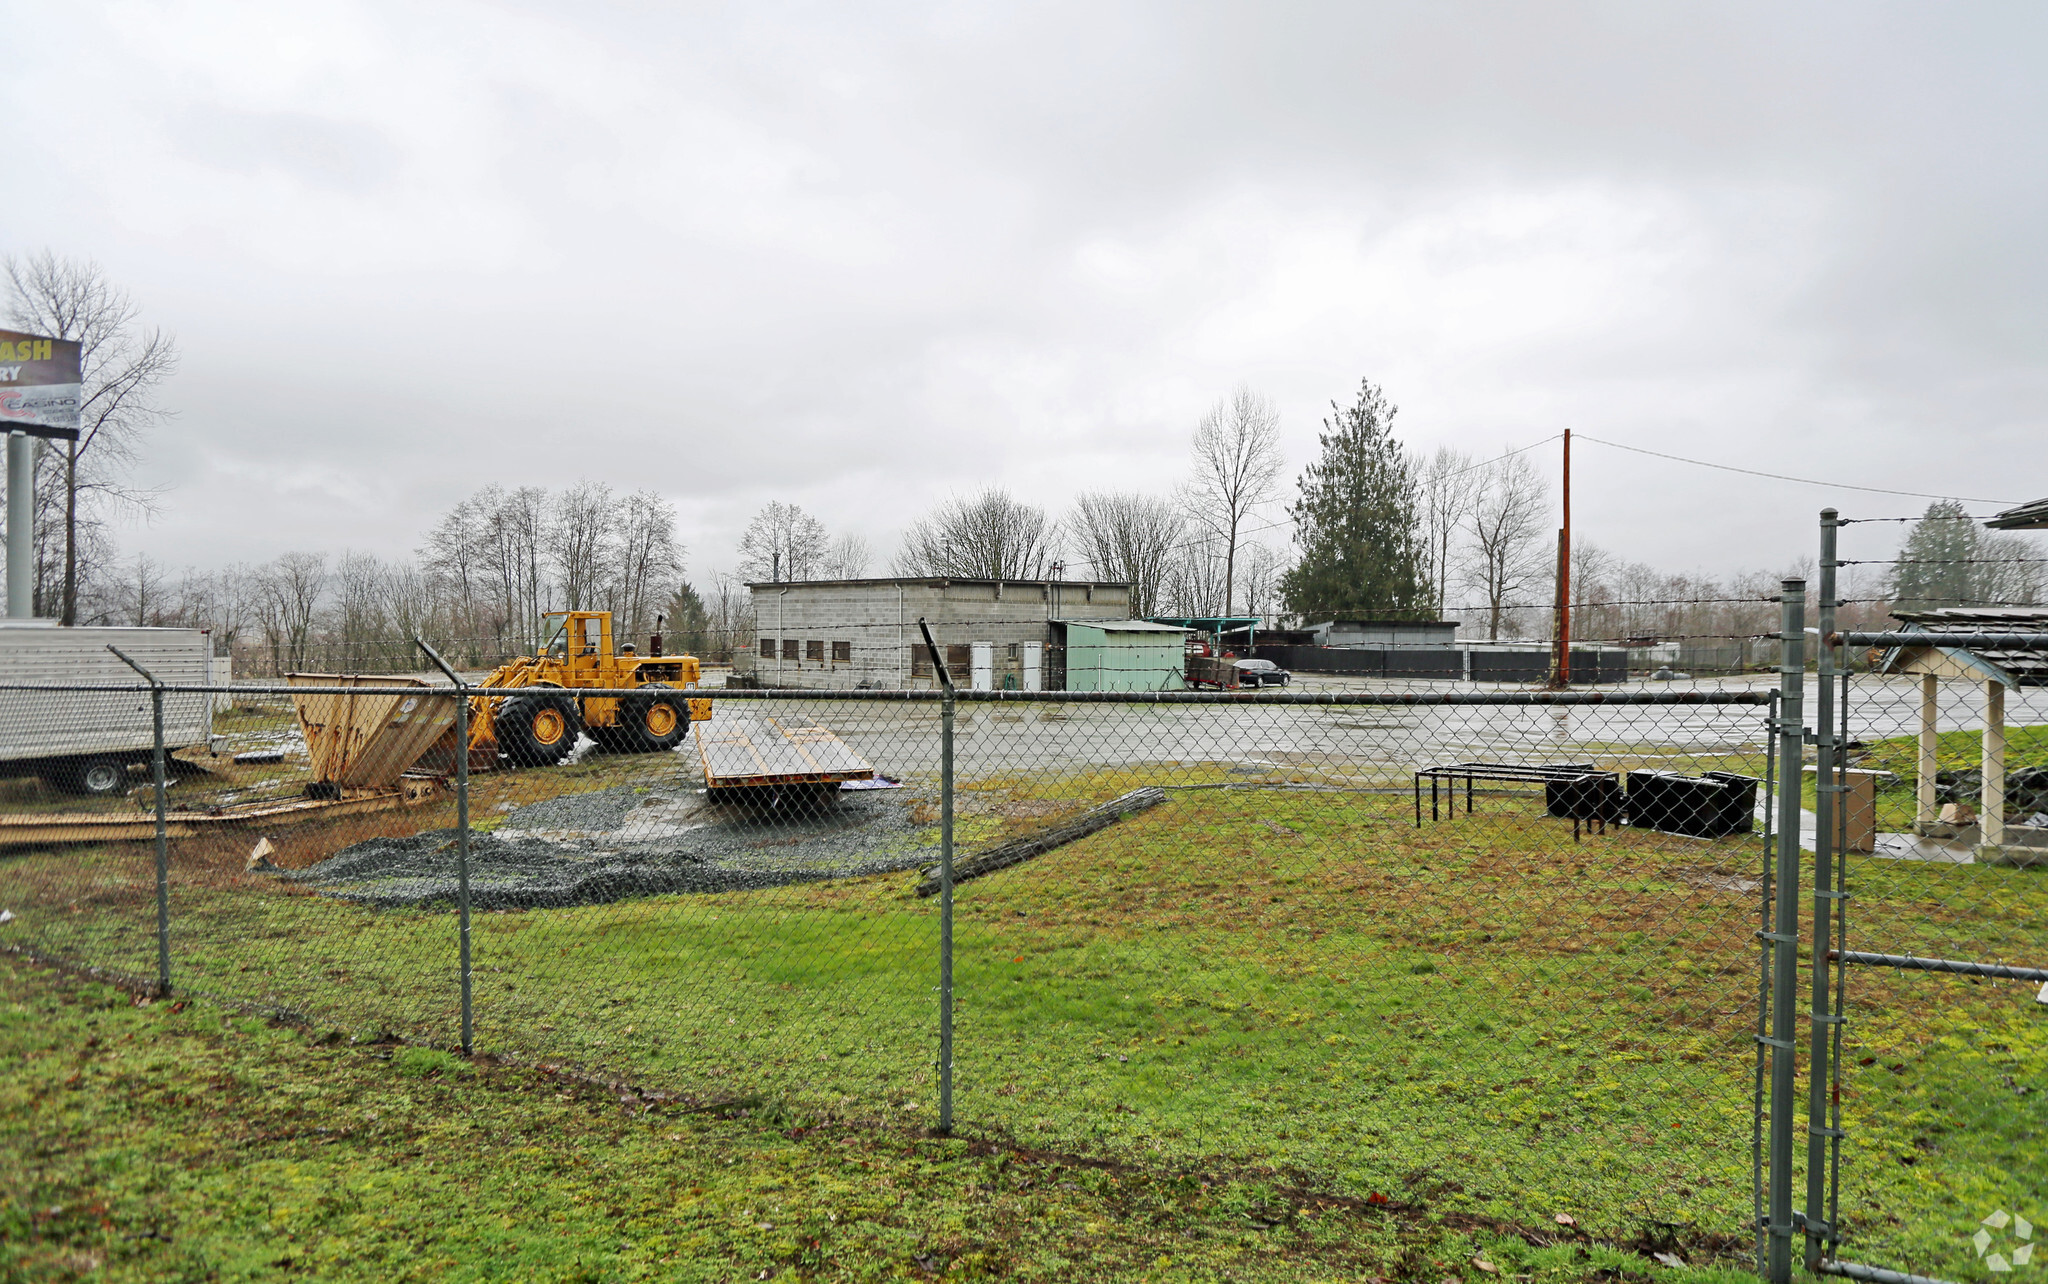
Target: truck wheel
x,y
93,777
537,730
652,723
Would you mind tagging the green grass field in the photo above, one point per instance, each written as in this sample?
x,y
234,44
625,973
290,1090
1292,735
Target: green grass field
x,y
1479,1018
1954,751
169,1142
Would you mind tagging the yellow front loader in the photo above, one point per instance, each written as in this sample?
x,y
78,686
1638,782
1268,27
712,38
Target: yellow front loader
x,y
538,727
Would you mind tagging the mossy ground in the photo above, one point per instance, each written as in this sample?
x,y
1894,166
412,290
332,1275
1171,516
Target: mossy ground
x,y
1277,987
172,1142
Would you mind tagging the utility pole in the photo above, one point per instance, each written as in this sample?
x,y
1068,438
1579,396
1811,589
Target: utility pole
x,y
1561,671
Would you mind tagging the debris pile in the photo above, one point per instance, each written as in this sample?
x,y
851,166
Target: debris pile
x,y
615,844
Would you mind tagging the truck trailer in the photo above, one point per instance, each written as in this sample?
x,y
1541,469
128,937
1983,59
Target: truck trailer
x,y
85,741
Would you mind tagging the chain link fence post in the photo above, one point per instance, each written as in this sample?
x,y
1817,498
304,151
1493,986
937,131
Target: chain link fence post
x,y
1784,938
163,849
461,837
1829,824
946,712
1767,884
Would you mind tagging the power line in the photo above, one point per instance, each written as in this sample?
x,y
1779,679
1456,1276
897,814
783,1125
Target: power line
x,y
1803,481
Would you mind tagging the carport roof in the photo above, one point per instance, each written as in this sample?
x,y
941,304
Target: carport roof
x,y
2027,517
2014,666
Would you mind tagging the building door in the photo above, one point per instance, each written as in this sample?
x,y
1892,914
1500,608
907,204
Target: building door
x,y
1033,660
984,666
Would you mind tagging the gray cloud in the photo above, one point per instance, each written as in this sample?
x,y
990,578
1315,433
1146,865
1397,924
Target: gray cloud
x,y
296,146
862,258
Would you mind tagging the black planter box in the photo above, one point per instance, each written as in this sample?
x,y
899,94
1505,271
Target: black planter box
x,y
1591,797
1710,806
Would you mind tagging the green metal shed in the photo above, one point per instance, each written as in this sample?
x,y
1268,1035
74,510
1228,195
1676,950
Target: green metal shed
x,y
1124,655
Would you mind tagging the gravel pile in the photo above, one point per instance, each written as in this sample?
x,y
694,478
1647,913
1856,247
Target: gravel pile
x,y
614,844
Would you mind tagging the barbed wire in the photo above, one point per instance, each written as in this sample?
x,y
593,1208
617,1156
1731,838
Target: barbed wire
x,y
1960,517
1939,561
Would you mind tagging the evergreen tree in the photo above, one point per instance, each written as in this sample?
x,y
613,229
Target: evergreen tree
x,y
1356,522
1935,566
689,626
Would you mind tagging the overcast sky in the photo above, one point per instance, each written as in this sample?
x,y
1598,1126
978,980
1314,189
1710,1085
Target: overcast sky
x,y
860,257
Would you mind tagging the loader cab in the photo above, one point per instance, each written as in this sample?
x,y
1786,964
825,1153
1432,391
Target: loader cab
x,y
583,640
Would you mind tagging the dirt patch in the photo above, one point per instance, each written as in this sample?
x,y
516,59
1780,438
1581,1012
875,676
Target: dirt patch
x,y
1033,808
1717,878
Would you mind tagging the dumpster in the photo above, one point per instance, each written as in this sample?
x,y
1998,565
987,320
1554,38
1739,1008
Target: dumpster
x,y
362,739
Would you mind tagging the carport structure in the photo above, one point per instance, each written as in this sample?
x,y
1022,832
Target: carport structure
x,y
2000,648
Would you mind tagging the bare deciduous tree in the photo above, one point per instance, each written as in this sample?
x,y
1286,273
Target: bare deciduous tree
x,y
1194,579
731,611
123,365
2010,569
357,627
989,537
1259,568
1130,538
649,563
1506,522
782,543
408,601
1448,483
579,543
1237,465
292,587
848,558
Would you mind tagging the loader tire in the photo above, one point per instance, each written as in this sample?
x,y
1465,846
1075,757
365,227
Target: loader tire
x,y
654,721
538,730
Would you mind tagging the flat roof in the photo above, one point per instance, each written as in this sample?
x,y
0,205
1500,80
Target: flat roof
x,y
1126,626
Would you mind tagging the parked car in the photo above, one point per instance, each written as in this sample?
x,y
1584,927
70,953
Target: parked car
x,y
1260,673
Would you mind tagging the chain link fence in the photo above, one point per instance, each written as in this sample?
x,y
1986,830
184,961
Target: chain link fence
x,y
1926,813
1483,951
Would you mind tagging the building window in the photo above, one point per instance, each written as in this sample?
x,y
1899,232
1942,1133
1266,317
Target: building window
x,y
920,661
814,651
768,647
842,653
1011,655
791,648
959,658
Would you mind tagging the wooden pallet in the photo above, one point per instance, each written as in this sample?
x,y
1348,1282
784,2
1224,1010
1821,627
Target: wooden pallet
x,y
787,750
46,828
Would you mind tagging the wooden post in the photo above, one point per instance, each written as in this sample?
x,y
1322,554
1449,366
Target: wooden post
x,y
1928,809
1993,818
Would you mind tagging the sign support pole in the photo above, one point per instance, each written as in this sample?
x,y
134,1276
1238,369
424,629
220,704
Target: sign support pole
x,y
45,385
21,525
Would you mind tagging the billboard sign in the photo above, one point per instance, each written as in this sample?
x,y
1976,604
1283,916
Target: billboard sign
x,y
40,386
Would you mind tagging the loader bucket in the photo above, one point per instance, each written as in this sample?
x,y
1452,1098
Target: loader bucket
x,y
368,741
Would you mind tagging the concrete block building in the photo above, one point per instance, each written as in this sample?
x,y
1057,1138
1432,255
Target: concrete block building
x,y
995,634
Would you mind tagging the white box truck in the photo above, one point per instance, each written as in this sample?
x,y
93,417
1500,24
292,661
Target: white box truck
x,y
85,741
